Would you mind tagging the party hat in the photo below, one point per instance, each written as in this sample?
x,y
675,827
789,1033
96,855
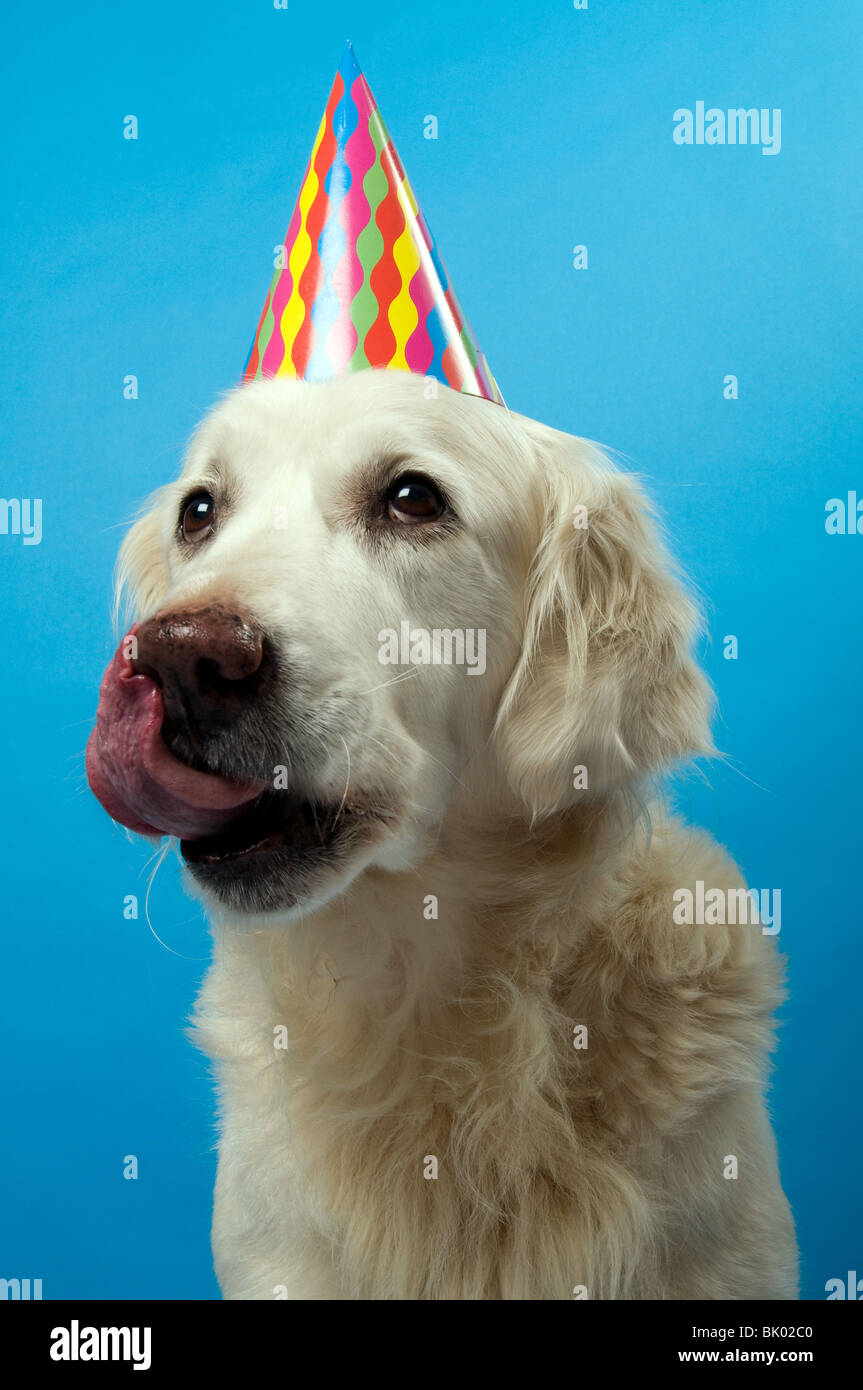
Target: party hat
x,y
359,282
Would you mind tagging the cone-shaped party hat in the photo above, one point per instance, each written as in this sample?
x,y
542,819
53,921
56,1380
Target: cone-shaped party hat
x,y
359,282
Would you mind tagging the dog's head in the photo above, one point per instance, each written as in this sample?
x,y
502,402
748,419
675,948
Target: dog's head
x,y
366,598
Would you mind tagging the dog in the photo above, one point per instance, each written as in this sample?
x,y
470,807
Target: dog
x,y
464,1049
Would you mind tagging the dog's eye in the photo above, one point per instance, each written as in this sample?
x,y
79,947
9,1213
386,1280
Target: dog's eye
x,y
197,517
413,500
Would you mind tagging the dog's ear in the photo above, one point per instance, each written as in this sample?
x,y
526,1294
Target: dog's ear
x,y
605,690
141,574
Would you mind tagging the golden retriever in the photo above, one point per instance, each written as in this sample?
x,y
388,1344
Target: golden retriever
x,y
405,669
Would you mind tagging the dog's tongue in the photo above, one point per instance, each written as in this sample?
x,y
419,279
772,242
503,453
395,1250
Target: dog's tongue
x,y
137,779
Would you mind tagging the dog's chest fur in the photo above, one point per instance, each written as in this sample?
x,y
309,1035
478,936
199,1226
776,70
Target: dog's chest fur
x,y
431,1130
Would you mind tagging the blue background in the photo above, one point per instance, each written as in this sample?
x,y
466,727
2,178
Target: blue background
x,y
153,257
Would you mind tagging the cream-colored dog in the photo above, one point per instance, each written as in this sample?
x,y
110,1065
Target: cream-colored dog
x,y
403,671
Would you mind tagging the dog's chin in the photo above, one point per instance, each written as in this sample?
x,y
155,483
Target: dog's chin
x,y
282,852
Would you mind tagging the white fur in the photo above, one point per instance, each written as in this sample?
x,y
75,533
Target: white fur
x,y
453,1038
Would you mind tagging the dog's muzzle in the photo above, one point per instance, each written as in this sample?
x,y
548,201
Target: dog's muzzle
x,y
176,680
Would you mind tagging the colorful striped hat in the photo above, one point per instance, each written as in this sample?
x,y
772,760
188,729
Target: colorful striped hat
x,y
359,282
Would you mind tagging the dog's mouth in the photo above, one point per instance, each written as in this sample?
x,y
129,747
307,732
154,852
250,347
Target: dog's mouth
x,y
273,855
276,824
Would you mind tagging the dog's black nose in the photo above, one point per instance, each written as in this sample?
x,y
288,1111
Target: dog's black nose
x,y
208,662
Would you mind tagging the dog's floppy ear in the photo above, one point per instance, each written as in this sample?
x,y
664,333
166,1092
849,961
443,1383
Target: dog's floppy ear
x,y
605,690
141,574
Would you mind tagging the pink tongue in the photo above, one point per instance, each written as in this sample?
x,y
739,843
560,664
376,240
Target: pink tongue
x,y
138,781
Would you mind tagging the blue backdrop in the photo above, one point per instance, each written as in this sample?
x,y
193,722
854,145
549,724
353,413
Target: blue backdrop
x,y
152,257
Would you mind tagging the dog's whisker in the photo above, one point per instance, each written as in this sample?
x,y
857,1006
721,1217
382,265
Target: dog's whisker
x,y
728,762
162,853
347,782
394,680
448,770
390,752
